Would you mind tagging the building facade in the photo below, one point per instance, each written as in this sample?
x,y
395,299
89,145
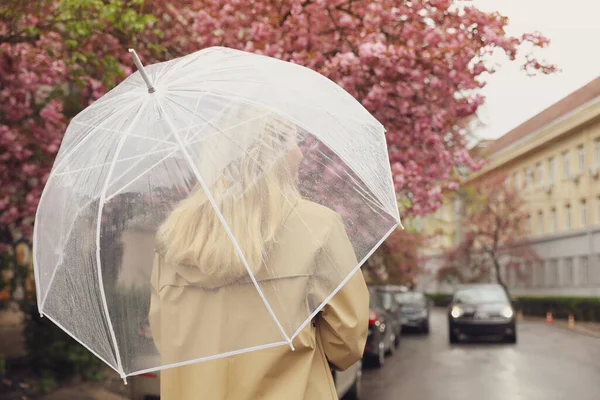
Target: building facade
x,y
553,159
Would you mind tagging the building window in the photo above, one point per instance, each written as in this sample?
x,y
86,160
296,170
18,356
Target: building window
x,y
551,273
517,181
528,178
581,158
593,270
597,149
568,219
583,210
583,273
539,175
551,170
538,274
566,165
567,272
541,223
507,183
553,220
537,278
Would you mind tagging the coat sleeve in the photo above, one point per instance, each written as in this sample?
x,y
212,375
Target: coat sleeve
x,y
154,314
343,321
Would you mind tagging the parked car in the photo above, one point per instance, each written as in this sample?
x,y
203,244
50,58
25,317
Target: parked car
x,y
147,386
387,295
481,310
381,338
348,382
415,310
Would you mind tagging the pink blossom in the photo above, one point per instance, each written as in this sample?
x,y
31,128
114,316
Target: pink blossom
x,y
403,70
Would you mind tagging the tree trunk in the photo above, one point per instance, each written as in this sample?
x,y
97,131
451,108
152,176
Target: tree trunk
x,y
499,276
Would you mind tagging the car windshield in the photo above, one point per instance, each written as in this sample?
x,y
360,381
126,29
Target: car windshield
x,y
375,298
386,299
410,298
475,295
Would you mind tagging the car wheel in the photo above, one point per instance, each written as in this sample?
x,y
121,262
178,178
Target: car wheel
x,y
425,328
392,347
452,337
511,338
354,391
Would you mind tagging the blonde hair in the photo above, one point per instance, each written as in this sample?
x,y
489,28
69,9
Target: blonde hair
x,y
255,193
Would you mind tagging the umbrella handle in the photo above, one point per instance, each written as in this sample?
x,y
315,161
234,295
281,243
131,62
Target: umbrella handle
x,y
142,70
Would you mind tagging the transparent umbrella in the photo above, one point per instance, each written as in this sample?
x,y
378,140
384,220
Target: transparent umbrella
x,y
206,165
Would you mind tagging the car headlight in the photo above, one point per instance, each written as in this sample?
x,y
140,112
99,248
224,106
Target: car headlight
x,y
507,312
456,312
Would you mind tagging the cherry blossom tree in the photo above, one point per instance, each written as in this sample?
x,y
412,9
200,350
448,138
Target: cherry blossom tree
x,y
397,260
416,65
494,233
56,57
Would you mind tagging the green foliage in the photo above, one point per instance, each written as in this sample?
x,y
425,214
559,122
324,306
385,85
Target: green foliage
x,y
440,299
582,308
53,354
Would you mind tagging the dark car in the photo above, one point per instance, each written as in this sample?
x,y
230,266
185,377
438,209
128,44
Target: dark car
x,y
481,310
415,310
381,337
387,295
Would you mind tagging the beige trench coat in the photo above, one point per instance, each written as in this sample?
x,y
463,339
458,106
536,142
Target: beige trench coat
x,y
194,317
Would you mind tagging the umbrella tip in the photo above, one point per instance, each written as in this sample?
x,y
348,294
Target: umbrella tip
x,y
140,67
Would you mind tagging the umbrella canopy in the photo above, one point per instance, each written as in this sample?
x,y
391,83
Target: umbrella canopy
x,y
197,161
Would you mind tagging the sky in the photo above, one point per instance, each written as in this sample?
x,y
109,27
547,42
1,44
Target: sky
x,y
574,30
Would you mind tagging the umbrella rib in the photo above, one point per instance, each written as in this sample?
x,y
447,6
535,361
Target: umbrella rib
x,y
230,95
207,122
108,163
225,224
53,172
101,203
139,176
157,140
225,129
306,225
356,268
256,161
71,150
189,127
153,139
140,160
81,342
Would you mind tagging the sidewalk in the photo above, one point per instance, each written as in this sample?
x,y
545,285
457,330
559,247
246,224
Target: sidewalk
x,y
584,328
12,344
84,392
12,347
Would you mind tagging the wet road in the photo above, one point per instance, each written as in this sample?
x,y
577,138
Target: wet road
x,y
548,363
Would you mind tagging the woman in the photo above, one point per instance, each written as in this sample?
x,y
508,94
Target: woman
x,y
204,303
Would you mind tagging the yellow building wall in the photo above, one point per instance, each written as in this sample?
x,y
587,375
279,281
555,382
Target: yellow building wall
x,y
575,189
441,227
572,199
